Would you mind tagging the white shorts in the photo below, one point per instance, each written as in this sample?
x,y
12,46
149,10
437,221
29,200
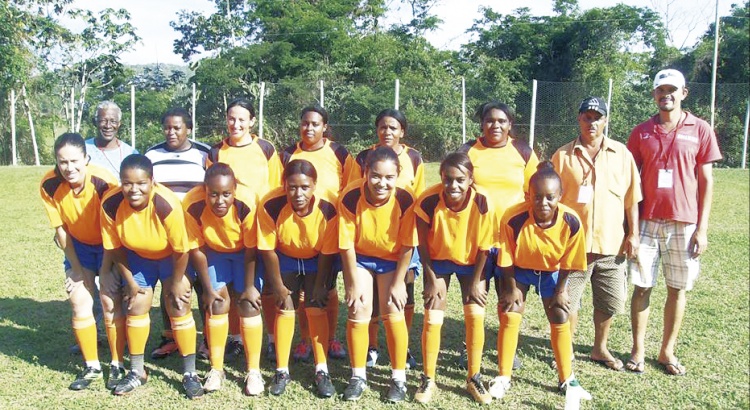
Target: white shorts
x,y
665,241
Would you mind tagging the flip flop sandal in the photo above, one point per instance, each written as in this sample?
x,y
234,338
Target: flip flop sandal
x,y
674,369
615,364
635,367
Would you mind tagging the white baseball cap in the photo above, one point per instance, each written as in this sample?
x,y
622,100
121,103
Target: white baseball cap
x,y
669,76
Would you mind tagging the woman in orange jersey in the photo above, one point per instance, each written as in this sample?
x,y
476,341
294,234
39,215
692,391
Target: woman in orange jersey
x,y
376,240
220,221
72,194
391,126
333,165
297,239
143,229
541,242
454,226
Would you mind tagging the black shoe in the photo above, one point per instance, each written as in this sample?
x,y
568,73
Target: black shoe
x,y
517,363
132,381
324,385
397,391
355,388
192,385
279,382
116,373
411,362
84,379
233,349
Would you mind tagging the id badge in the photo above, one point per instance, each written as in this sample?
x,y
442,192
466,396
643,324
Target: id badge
x,y
585,194
666,179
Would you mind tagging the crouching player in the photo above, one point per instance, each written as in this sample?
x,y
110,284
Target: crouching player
x,y
541,242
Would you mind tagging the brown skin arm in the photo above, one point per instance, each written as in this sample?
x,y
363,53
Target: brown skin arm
x,y
434,291
699,240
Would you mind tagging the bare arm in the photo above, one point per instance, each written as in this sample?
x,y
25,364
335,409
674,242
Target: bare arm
x,y
699,241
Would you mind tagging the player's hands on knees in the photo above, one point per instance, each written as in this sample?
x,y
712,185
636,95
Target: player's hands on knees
x,y
354,299
281,293
477,293
397,294
210,297
319,297
510,298
251,296
434,294
130,291
180,293
560,300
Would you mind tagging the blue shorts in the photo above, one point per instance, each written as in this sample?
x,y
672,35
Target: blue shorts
x,y
147,272
491,270
288,264
415,264
448,267
376,265
90,256
544,282
225,268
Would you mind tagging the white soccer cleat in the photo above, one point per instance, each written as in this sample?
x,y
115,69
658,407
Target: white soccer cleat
x,y
499,386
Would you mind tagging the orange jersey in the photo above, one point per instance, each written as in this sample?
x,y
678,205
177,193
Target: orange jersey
x,y
332,163
412,169
77,213
378,232
232,232
302,237
154,232
561,246
455,236
256,165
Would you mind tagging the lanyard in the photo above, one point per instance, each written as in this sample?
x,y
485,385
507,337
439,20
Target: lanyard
x,y
588,168
663,156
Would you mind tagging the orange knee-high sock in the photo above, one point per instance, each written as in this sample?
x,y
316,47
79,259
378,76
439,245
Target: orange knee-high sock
x,y
252,338
507,341
409,316
138,327
332,309
116,335
233,320
318,323
474,328
356,341
268,304
85,330
304,329
284,334
433,322
562,345
397,338
218,329
183,329
372,332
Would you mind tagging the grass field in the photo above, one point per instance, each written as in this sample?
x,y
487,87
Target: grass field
x,y
35,367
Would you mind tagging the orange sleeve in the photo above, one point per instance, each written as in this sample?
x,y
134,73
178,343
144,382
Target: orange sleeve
x,y
347,229
331,237
529,170
485,232
349,170
266,227
419,212
507,245
50,206
192,225
355,173
174,225
110,238
575,256
419,184
249,225
408,231
275,171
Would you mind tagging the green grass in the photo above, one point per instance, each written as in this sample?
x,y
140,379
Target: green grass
x,y
35,367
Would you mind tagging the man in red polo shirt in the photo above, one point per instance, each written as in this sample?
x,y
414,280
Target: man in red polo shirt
x,y
675,152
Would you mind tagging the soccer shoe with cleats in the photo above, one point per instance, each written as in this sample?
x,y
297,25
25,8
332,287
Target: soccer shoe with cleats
x,y
130,382
355,389
323,384
476,388
192,385
499,386
84,379
425,391
214,380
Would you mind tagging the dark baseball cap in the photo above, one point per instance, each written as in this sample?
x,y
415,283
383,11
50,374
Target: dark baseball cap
x,y
593,104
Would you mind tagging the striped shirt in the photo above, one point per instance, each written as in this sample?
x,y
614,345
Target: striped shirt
x,y
179,171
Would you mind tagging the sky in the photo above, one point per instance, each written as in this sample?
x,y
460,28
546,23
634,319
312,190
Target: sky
x,y
687,22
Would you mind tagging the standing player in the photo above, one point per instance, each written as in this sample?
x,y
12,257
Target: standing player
x,y
675,152
541,242
334,166
454,226
600,182
143,230
72,194
391,127
220,221
297,239
376,240
179,164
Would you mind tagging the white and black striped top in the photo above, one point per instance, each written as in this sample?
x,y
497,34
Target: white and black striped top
x,y
179,171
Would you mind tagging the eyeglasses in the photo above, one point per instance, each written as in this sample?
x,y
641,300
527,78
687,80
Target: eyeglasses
x,y
109,122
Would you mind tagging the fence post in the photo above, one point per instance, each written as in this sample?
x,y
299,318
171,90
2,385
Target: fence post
x,y
322,95
609,107
747,125
713,69
260,108
195,124
396,100
463,110
72,109
13,126
132,115
533,114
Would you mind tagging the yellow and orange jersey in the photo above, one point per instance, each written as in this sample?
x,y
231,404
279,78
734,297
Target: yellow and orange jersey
x,y
380,231
332,162
561,246
456,236
302,237
256,165
503,172
154,232
77,213
412,169
233,232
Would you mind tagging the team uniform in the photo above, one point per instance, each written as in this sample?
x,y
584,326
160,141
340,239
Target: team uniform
x,y
109,159
454,240
668,163
179,171
78,215
298,241
332,162
256,165
537,255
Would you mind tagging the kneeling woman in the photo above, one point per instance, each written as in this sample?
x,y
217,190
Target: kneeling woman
x,y
297,239
220,220
454,225
72,194
541,242
376,239
143,228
